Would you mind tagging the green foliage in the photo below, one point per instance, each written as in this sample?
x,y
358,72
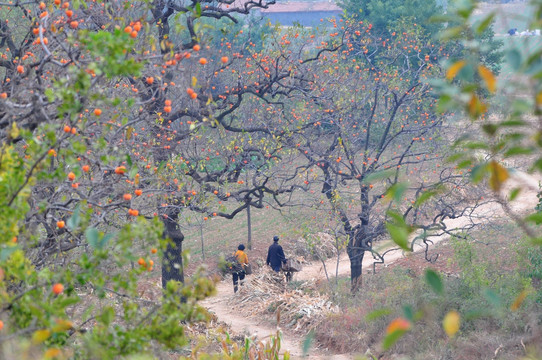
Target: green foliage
x,y
14,192
529,259
434,280
111,48
399,230
473,271
385,15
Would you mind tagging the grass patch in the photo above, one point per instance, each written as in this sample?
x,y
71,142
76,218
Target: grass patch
x,y
482,278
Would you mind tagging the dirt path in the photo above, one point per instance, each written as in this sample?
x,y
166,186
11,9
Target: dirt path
x,y
225,312
221,306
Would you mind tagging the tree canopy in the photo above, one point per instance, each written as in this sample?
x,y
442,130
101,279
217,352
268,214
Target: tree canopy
x,y
385,15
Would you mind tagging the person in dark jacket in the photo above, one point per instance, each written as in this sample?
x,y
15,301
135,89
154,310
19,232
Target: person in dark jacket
x,y
275,255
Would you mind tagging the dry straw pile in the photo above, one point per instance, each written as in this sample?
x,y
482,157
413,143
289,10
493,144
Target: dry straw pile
x,y
267,293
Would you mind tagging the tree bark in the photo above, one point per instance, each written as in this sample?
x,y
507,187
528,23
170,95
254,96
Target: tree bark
x,y
172,262
356,259
202,242
249,226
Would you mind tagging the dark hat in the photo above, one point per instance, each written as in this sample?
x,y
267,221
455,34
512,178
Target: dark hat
x,y
275,238
241,247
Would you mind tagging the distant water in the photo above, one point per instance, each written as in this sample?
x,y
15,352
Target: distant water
x,y
304,18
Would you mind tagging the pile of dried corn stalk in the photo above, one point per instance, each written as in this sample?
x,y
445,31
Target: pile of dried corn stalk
x,y
266,293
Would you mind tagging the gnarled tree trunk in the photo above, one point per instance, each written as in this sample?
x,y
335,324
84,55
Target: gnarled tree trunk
x,y
355,255
360,241
172,262
249,228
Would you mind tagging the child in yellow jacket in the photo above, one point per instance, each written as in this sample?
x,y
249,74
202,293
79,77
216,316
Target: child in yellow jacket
x,y
242,258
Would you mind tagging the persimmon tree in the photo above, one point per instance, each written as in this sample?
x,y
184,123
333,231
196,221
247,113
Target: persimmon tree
x,y
376,138
102,120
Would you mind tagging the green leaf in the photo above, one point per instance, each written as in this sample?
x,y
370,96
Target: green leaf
x,y
392,338
451,33
476,145
64,302
464,164
105,240
128,160
133,171
492,298
409,313
93,236
537,165
399,230
6,252
466,73
445,103
399,235
455,157
536,218
425,196
247,345
161,166
485,23
398,218
376,314
307,342
513,123
442,18
379,175
50,94
464,8
75,219
490,129
521,106
534,63
478,172
107,316
518,150
514,193
396,191
513,56
434,281
198,10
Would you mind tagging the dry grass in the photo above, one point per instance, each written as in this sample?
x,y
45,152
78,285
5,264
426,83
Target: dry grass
x,y
494,333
